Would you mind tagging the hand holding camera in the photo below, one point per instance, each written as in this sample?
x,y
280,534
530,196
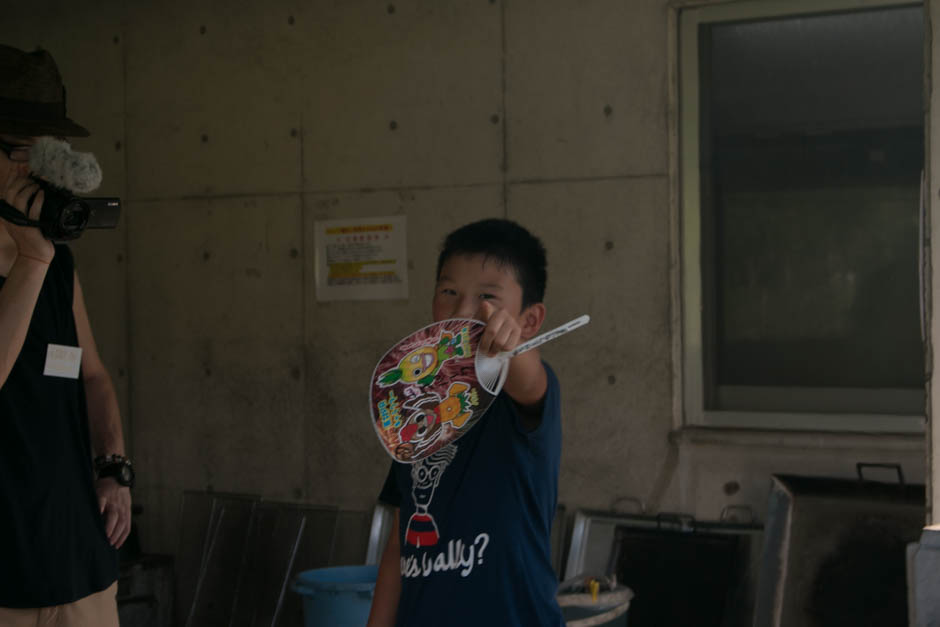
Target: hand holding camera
x,y
23,195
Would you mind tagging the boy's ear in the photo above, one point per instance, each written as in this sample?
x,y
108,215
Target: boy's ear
x,y
532,318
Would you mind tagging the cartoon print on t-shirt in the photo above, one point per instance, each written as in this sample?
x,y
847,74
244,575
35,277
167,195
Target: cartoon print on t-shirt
x,y
425,475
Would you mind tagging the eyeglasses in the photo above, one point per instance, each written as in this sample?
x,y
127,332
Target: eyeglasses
x,y
16,152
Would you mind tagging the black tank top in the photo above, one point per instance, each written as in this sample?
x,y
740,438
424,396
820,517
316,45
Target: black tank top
x,y
53,546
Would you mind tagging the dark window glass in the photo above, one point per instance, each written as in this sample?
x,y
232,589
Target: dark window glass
x,y
812,147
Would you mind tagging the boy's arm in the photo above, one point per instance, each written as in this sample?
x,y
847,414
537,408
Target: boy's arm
x,y
526,381
388,583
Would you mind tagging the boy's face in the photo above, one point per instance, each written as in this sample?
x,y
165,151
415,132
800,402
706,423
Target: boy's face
x,y
466,281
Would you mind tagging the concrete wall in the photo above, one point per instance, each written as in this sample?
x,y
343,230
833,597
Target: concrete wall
x,y
229,128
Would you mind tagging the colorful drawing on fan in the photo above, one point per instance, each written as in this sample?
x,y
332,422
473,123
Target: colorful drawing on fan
x,y
424,391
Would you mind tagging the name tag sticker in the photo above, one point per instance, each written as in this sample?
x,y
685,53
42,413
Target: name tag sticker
x,y
63,361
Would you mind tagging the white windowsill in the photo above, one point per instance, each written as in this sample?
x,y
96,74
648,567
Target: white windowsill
x,y
824,440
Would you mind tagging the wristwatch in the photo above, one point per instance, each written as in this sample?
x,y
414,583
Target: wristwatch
x,y
116,466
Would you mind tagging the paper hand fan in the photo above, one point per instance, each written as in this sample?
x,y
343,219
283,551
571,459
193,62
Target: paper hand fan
x,y
431,387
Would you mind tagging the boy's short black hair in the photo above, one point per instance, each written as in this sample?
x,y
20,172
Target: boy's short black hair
x,y
507,243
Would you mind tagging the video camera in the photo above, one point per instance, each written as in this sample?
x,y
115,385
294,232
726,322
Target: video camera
x,y
65,216
60,173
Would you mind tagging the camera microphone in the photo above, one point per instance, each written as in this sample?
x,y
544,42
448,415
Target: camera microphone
x,y
53,160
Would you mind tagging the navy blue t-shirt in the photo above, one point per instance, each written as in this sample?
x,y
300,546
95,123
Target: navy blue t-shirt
x,y
475,523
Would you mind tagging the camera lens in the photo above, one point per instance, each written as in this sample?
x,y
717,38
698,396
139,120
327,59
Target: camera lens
x,y
74,216
63,215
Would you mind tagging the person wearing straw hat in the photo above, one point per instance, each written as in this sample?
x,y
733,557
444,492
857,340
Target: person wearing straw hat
x,y
62,516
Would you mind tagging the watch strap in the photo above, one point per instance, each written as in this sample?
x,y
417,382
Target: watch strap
x,y
115,466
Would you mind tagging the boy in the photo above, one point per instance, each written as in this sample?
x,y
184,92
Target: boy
x,y
491,495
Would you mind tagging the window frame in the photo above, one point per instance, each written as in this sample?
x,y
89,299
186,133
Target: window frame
x,y
687,19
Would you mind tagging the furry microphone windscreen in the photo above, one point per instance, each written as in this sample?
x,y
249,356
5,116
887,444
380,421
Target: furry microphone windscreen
x,y
54,161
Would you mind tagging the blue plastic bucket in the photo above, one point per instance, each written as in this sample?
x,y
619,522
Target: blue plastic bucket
x,y
336,597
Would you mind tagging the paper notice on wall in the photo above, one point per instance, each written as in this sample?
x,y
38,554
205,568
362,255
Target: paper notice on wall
x,y
362,259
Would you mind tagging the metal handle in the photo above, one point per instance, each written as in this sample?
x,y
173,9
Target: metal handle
x,y
729,513
686,522
638,504
896,467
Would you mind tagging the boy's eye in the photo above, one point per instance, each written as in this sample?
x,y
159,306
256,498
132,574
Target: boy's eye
x,y
487,296
448,292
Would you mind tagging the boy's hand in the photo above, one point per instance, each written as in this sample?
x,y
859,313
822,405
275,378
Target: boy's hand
x,y
526,381
502,331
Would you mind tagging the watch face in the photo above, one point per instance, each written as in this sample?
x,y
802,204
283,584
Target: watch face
x,y
127,475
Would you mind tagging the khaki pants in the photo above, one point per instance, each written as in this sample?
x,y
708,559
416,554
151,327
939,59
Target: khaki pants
x,y
95,610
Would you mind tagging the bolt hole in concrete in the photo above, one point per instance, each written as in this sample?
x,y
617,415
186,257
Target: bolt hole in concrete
x,y
393,125
494,119
608,110
202,30
609,245
391,9
205,138
290,20
732,487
